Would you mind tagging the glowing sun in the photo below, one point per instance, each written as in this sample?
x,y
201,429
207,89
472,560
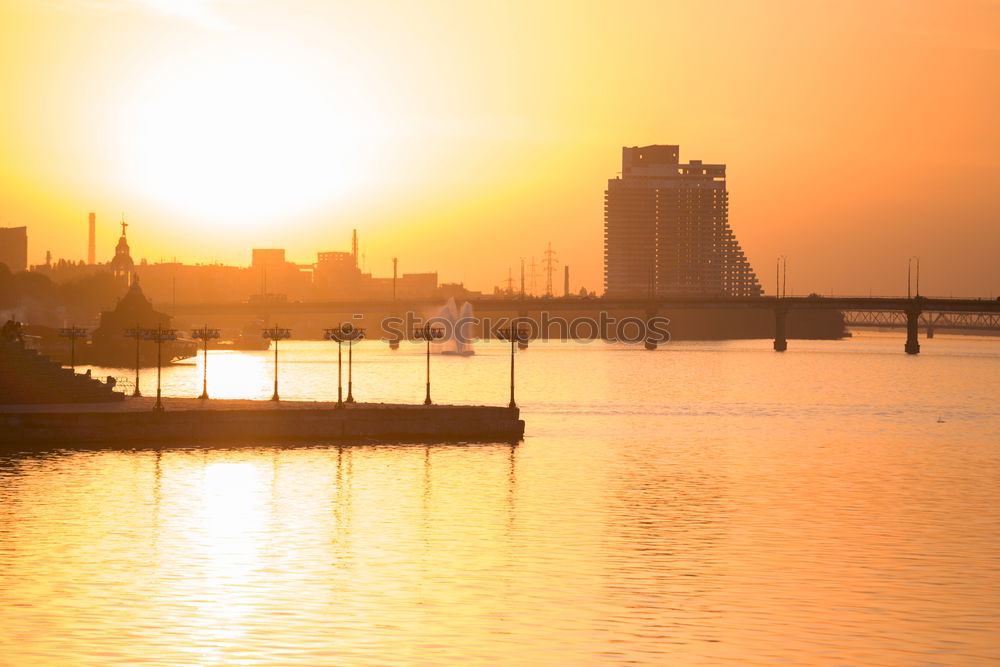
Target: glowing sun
x,y
245,142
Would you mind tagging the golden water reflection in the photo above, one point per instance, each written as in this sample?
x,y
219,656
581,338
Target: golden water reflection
x,y
653,515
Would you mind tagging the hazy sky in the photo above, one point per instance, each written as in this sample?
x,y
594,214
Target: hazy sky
x,y
461,136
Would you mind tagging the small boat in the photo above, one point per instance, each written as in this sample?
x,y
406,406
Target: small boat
x,y
250,338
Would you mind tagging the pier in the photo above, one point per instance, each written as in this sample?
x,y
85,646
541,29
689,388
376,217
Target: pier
x,y
193,422
43,406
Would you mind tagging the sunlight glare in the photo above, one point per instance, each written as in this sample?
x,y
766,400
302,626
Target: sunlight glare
x,y
237,374
243,141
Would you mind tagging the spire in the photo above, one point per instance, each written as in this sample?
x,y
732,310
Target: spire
x,y
123,224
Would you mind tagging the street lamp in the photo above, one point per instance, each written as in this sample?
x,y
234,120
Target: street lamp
x,y
276,334
516,337
205,334
137,333
72,333
348,333
159,335
428,334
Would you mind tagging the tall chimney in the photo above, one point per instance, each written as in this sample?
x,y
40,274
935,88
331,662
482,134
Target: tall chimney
x,y
92,246
566,280
354,248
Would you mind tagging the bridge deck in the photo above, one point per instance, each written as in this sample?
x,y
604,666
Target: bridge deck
x,y
554,304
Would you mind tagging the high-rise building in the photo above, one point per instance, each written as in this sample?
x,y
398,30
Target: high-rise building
x,y
14,247
666,229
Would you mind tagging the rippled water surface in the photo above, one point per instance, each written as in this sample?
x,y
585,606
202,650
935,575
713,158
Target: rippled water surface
x,y
706,503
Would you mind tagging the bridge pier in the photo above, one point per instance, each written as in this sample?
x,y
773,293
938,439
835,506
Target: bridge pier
x,y
522,316
780,341
394,341
912,328
651,341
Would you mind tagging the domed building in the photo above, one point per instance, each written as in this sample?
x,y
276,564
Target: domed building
x,y
122,266
109,345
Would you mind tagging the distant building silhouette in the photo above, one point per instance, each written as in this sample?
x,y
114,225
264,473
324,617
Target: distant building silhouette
x,y
14,247
666,229
277,277
337,273
270,278
92,240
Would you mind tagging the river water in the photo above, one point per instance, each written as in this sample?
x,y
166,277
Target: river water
x,y
707,503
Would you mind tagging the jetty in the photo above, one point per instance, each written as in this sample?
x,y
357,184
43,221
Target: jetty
x,y
194,422
44,406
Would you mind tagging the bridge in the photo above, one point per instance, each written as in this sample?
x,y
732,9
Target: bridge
x,y
929,321
911,311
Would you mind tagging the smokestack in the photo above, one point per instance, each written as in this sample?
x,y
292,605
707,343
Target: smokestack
x,y
566,280
92,246
354,247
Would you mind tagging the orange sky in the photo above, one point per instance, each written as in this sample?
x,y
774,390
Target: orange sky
x,y
461,136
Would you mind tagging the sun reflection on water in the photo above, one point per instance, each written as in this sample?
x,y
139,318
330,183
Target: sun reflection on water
x,y
653,515
238,375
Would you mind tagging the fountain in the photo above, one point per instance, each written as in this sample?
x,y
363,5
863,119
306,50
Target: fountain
x,y
459,329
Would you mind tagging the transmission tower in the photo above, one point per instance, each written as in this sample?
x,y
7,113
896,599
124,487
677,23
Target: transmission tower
x,y
549,263
534,277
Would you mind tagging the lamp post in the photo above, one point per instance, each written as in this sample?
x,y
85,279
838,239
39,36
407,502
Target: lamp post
x,y
72,333
276,334
515,336
357,334
335,335
428,333
159,335
137,333
205,334
348,333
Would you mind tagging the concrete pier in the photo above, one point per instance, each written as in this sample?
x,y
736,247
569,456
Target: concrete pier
x,y
197,423
780,339
912,328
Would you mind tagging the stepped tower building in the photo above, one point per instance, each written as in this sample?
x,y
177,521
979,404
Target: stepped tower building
x,y
666,229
